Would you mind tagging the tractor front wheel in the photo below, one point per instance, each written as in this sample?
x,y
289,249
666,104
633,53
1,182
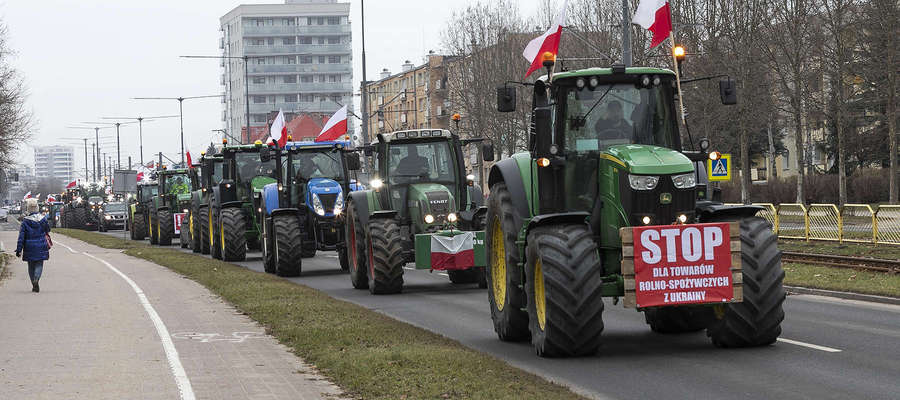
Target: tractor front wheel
x,y
563,279
464,276
342,257
503,275
385,253
165,227
204,230
356,249
215,239
756,321
286,231
232,234
267,244
184,233
195,230
152,230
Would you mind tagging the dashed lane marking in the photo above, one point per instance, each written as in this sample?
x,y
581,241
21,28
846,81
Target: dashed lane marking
x,y
810,345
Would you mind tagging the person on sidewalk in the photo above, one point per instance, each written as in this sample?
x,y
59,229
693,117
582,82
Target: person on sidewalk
x,y
34,242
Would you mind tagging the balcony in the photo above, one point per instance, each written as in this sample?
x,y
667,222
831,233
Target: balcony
x,y
291,30
312,106
311,49
298,68
318,87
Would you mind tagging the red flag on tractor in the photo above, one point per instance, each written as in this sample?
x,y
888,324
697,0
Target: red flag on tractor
x,y
335,127
72,184
278,130
654,16
548,42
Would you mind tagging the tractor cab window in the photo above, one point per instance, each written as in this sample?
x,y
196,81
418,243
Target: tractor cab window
x,y
621,113
216,175
178,184
248,166
414,162
317,164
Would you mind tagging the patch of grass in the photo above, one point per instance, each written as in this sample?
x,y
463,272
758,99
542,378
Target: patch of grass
x,y
842,279
369,355
884,251
97,239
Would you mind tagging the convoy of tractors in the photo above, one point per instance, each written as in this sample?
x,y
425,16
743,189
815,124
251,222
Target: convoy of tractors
x,y
606,192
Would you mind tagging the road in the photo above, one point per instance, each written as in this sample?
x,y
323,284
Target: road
x,y
829,348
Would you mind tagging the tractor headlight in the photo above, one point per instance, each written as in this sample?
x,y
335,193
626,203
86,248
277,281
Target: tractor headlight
x,y
429,219
107,217
684,181
338,204
643,182
185,210
317,205
376,183
451,217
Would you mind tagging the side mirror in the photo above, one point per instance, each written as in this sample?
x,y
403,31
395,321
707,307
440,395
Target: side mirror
x,y
353,163
368,151
264,154
506,99
704,144
487,150
728,91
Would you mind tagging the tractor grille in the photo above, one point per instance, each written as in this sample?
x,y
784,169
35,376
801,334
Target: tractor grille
x,y
328,200
647,203
439,202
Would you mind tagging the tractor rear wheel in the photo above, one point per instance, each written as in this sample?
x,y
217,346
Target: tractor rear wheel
x,y
195,229
385,253
286,231
138,226
184,233
233,234
308,250
503,275
203,230
152,228
356,249
757,320
342,258
563,281
678,319
165,227
81,218
268,246
215,238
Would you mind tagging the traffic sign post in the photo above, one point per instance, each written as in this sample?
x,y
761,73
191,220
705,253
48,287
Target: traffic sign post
x,y
719,169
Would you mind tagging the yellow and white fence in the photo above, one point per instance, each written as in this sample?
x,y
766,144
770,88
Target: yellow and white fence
x,y
858,223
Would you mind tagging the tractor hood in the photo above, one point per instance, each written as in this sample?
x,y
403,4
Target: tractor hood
x,y
431,198
650,160
260,181
322,185
324,197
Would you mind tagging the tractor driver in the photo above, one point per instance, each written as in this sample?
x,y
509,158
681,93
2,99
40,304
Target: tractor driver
x,y
307,168
413,164
614,126
178,185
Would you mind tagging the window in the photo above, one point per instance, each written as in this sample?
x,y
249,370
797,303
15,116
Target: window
x,y
306,79
270,41
259,99
261,61
272,99
260,22
288,41
290,98
259,117
259,79
258,42
290,60
336,98
334,59
289,21
320,40
334,78
306,97
786,164
315,20
334,20
306,59
305,40
334,40
290,78
321,59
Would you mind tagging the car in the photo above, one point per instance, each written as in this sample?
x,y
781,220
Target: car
x,y
4,214
112,216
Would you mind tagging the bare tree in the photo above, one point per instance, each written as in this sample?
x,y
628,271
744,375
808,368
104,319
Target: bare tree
x,y
15,120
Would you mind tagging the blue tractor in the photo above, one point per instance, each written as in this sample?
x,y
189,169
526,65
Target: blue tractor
x,y
303,210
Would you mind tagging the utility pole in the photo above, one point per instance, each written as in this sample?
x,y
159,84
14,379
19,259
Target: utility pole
x,y
140,121
86,176
626,34
364,103
180,112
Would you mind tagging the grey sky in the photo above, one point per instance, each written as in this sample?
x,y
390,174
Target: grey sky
x,y
85,59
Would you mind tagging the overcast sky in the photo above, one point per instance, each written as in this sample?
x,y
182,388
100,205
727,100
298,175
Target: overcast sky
x,y
86,59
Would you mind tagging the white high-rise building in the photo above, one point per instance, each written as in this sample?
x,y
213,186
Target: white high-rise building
x,y
56,162
299,60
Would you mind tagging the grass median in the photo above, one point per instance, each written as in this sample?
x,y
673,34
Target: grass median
x,y
883,251
842,279
369,355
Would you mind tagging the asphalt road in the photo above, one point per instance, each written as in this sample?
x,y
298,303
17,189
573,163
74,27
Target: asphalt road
x,y
829,348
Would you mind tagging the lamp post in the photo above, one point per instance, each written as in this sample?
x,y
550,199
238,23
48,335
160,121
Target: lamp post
x,y
118,141
95,157
140,123
246,60
180,112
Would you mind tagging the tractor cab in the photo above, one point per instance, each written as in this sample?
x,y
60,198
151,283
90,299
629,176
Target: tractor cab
x,y
243,171
321,173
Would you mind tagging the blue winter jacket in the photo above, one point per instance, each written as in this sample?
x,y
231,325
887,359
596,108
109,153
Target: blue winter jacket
x,y
32,241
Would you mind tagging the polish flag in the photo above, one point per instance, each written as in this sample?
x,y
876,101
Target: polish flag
x,y
278,131
140,176
27,195
654,15
335,127
72,184
452,252
189,162
549,41
50,198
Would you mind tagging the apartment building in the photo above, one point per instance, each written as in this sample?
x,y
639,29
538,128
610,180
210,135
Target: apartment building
x,y
57,162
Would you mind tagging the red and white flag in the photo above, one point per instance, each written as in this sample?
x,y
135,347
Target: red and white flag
x,y
140,176
50,198
278,130
189,161
548,42
335,127
654,15
453,252
27,195
72,184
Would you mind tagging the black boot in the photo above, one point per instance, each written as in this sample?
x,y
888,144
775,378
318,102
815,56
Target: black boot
x,y
34,287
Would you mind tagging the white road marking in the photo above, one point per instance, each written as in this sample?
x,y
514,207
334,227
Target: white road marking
x,y
70,249
810,345
181,378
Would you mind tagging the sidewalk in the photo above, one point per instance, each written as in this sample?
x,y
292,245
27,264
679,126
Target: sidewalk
x,y
87,335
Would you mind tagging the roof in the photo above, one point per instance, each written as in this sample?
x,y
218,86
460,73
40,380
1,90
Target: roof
x,y
317,145
607,71
414,134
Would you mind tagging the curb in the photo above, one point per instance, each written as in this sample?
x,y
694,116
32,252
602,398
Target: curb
x,y
843,295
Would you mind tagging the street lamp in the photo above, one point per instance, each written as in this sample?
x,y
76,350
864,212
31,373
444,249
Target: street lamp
x,y
118,142
96,159
141,129
180,111
246,60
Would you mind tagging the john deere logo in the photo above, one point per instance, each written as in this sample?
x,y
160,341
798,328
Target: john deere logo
x,y
665,198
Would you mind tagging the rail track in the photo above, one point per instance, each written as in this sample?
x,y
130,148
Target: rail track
x,y
871,264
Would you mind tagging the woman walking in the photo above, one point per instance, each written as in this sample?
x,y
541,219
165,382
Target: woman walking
x,y
34,242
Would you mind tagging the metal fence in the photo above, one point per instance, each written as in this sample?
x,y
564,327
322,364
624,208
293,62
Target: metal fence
x,y
858,223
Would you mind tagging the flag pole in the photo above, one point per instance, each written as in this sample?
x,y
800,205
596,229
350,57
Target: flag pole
x,y
677,72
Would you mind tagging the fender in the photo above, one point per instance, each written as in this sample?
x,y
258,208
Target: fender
x,y
231,204
507,171
472,219
285,211
558,218
715,211
270,198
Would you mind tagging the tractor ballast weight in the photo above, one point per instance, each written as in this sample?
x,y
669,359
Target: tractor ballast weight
x,y
561,219
421,207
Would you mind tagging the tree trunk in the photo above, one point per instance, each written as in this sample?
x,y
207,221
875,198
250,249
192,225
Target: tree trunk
x,y
772,174
745,166
842,174
798,142
892,136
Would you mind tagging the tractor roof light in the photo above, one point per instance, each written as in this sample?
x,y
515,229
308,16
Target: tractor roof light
x,y
543,162
470,180
548,59
715,155
224,140
646,220
290,138
580,83
456,117
678,52
258,143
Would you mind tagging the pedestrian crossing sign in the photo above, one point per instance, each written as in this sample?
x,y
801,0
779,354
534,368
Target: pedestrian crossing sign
x,y
719,170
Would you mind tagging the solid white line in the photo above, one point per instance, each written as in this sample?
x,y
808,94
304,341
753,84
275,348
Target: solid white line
x,y
810,345
64,245
181,378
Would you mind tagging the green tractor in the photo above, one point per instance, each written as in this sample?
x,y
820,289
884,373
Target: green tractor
x,y
209,175
419,203
233,222
139,209
166,208
81,202
186,205
566,221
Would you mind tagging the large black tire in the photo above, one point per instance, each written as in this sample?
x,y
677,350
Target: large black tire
x,y
343,258
268,246
464,276
678,319
356,249
165,227
81,218
503,275
233,230
195,230
757,320
286,230
563,263
184,234
204,230
385,252
308,250
152,228
139,226
215,236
